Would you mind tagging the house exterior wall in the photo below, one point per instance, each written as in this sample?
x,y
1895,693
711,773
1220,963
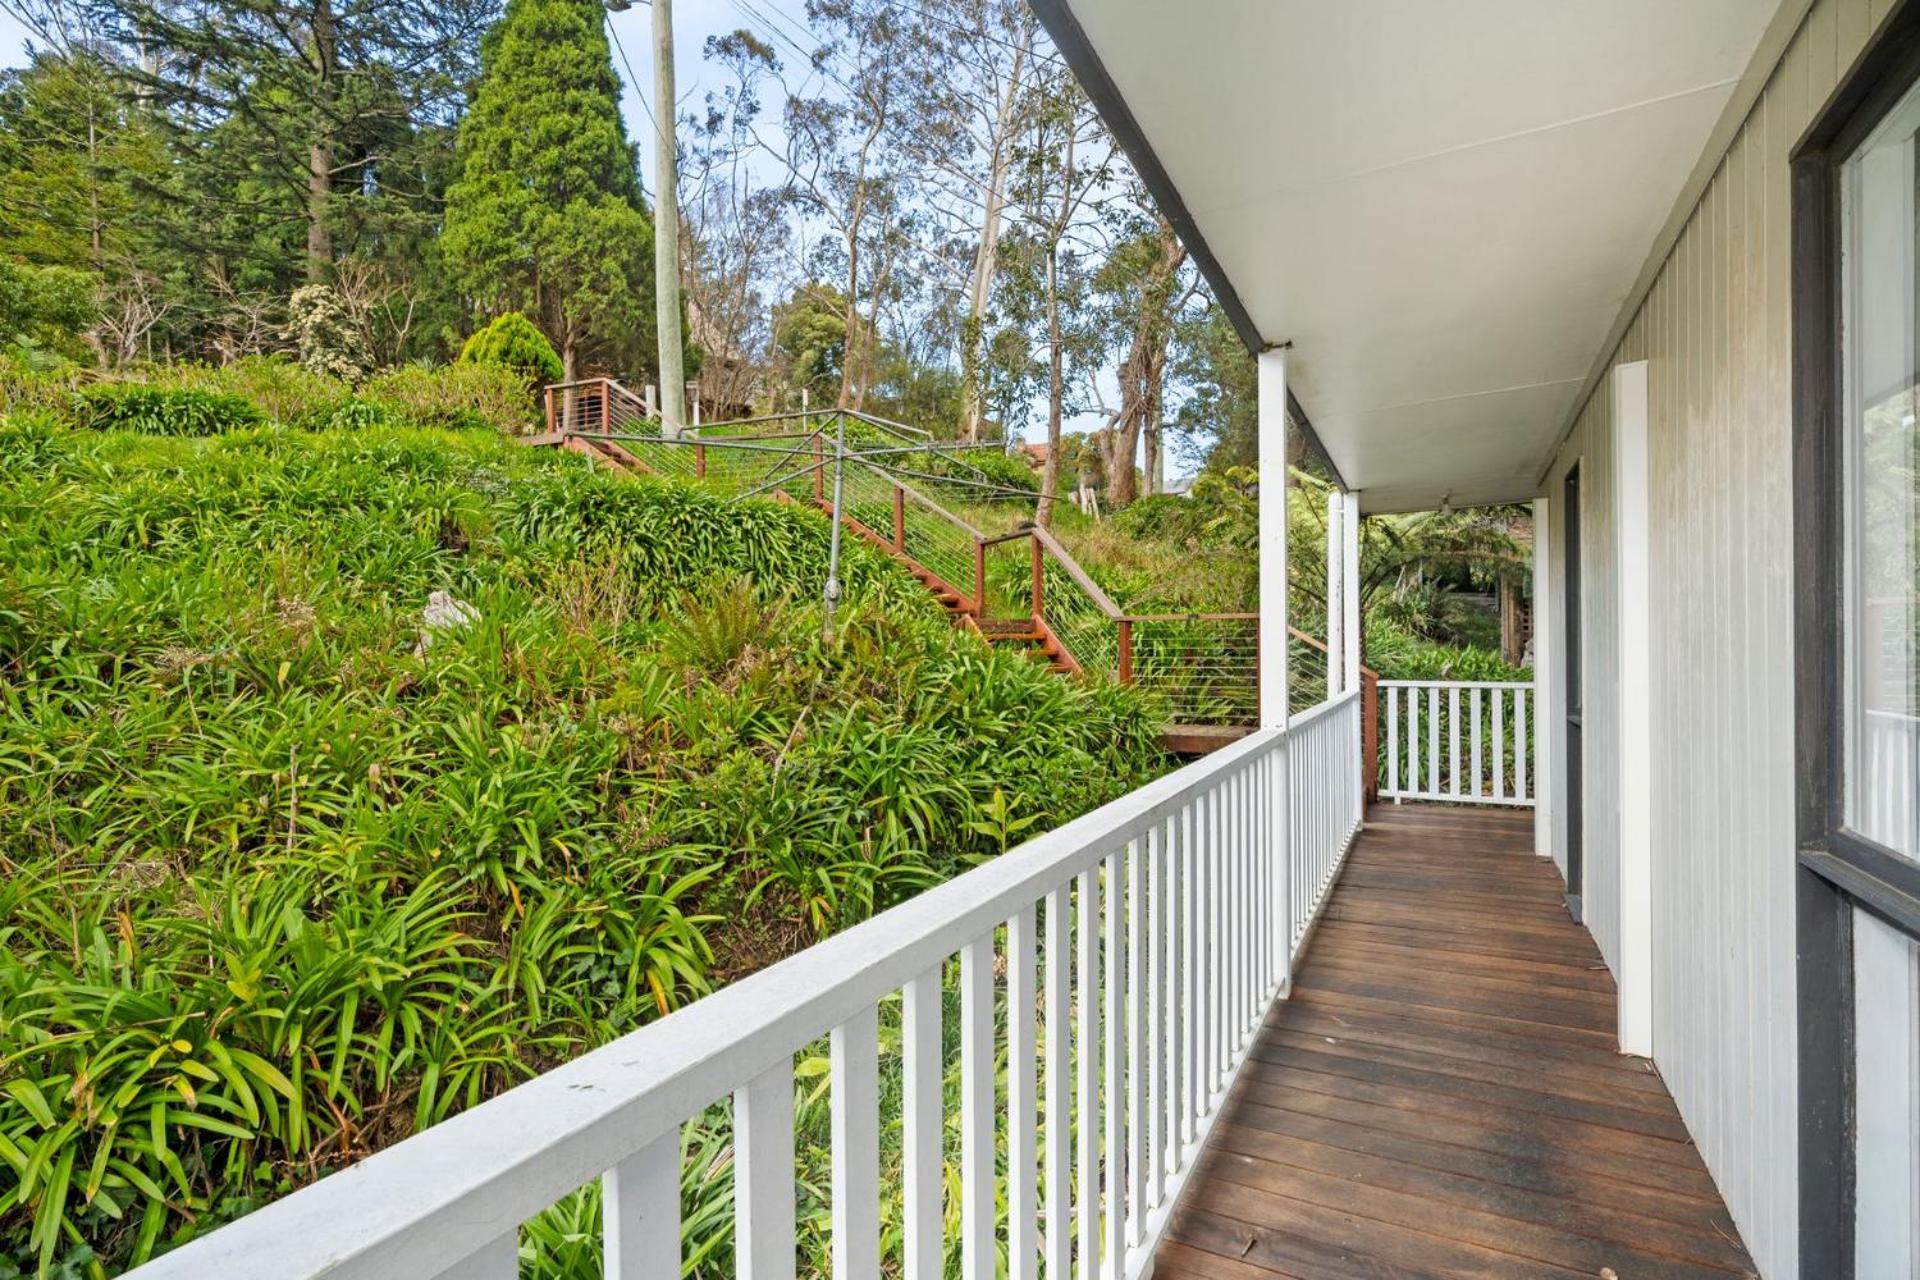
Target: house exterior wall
x,y
1715,332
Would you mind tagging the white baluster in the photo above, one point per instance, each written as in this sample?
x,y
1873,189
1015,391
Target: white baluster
x,y
1023,1250
1433,740
1114,1097
854,1098
1479,785
1058,1086
640,1213
763,1236
1453,740
977,1253
1521,789
1393,742
922,1110
1087,1065
499,1259
1159,1010
1192,958
1499,740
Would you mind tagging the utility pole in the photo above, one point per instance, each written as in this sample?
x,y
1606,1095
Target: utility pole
x,y
666,226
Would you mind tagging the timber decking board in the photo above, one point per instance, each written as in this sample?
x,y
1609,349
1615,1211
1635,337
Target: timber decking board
x,y
1441,1094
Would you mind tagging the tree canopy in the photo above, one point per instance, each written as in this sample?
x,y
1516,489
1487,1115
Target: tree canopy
x,y
546,215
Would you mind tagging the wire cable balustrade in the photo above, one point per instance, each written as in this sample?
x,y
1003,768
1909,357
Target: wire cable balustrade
x,y
1018,585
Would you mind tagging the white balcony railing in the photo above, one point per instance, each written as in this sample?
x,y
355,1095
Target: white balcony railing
x,y
1463,741
1115,969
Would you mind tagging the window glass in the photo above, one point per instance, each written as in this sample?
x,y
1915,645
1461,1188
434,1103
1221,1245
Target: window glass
x,y
1881,342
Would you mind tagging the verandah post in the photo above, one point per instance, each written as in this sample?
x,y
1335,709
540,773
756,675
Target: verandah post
x,y
1272,440
1336,594
1351,632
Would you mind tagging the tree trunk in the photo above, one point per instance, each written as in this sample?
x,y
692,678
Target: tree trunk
x,y
1143,374
569,372
986,261
320,146
1050,467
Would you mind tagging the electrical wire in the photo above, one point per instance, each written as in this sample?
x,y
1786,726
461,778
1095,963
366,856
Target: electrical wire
x,y
638,92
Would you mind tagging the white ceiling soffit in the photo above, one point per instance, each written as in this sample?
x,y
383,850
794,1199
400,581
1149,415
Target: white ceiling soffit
x,y
1442,206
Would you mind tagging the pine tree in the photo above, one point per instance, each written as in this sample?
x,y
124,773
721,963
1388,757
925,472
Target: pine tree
x,y
546,215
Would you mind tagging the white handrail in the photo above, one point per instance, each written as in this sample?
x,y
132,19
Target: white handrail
x,y
1186,868
1458,741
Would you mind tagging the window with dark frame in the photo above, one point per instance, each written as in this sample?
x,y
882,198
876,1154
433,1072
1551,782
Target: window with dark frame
x,y
1856,287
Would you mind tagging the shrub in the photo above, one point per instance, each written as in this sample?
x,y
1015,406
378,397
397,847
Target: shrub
x,y
278,386
162,411
455,397
25,387
512,342
324,330
45,307
349,414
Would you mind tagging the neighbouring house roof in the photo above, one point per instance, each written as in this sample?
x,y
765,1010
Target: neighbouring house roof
x,y
1445,209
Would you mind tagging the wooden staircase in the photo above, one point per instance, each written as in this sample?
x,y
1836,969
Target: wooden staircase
x,y
1035,637
1208,697
1031,634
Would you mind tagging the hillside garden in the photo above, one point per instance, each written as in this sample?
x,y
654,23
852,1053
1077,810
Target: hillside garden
x,y
354,769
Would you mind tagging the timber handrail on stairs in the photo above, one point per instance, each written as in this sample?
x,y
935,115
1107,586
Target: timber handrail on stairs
x,y
1205,666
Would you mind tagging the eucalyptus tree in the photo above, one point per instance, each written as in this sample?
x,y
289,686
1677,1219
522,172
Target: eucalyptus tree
x,y
976,64
1148,283
1063,166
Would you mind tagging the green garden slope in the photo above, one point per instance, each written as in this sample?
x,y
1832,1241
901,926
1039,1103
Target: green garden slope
x,y
286,875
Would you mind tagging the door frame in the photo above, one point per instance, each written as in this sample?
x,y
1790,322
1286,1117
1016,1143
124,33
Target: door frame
x,y
1838,870
1572,680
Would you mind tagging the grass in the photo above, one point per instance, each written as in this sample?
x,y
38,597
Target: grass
x,y
289,874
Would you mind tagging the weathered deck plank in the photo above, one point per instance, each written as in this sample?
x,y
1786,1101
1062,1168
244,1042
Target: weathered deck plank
x,y
1442,1095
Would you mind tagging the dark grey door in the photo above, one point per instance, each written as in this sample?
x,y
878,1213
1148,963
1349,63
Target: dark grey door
x,y
1570,671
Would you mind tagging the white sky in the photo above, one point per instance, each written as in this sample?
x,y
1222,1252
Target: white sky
x,y
780,22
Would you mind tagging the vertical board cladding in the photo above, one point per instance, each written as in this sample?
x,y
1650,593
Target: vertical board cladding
x,y
1715,331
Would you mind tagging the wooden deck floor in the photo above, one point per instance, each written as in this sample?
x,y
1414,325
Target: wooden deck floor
x,y
1442,1095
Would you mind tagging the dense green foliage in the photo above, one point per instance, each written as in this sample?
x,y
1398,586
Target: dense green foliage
x,y
162,411
190,399
546,214
511,342
43,308
292,871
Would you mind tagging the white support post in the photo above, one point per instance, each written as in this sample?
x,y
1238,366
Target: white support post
x,y
1545,699
1351,628
1336,593
1273,538
1631,509
1273,634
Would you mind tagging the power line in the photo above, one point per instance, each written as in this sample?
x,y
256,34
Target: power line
x,y
638,92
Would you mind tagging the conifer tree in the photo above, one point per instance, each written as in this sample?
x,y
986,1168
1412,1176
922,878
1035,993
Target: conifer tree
x,y
546,215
